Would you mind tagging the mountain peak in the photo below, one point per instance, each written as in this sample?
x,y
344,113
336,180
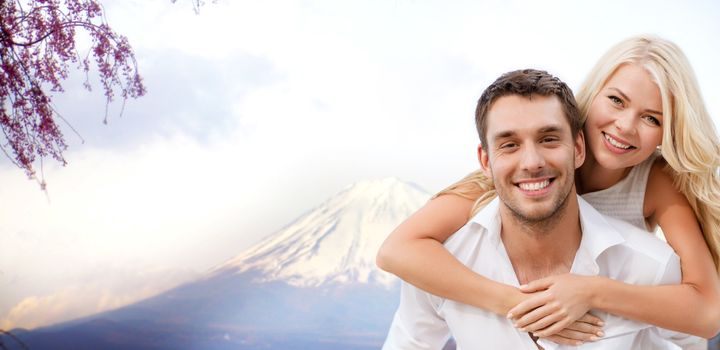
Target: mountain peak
x,y
337,241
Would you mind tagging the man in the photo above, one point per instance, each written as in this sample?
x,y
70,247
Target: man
x,y
531,144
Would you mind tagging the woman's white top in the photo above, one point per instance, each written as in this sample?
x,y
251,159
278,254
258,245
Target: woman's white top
x,y
625,200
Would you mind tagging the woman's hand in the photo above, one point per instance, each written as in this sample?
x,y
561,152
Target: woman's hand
x,y
559,301
587,328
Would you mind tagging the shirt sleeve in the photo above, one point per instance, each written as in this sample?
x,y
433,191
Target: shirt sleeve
x,y
417,323
672,273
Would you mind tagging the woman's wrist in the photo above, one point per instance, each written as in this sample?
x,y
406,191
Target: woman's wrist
x,y
595,285
510,297
489,295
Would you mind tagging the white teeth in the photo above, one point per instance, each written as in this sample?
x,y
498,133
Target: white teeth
x,y
616,143
534,186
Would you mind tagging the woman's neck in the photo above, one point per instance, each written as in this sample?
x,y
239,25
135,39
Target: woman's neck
x,y
592,176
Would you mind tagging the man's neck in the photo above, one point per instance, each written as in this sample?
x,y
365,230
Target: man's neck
x,y
542,249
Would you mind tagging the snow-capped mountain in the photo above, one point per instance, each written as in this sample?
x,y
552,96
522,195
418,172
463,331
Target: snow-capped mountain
x,y
337,241
311,285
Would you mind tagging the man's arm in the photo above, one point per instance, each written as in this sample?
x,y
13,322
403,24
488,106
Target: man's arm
x,y
417,323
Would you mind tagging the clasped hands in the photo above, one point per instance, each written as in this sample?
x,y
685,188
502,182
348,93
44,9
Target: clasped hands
x,y
556,308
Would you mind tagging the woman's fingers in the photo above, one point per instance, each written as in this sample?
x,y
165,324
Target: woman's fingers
x,y
541,313
536,285
559,322
591,319
585,328
521,310
563,341
575,335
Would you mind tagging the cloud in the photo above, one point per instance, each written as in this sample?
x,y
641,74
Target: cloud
x,y
193,95
98,292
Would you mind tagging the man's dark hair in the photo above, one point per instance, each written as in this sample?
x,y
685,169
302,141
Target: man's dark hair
x,y
526,82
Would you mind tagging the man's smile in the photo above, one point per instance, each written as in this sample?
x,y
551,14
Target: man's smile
x,y
535,186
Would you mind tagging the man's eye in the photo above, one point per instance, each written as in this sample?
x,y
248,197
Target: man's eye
x,y
508,145
549,139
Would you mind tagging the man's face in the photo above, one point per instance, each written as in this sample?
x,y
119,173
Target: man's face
x,y
531,155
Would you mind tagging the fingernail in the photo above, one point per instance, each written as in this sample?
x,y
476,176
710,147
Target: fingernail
x,y
523,329
510,315
594,338
523,286
600,333
601,323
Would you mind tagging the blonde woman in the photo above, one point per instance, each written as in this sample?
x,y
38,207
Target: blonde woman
x,y
653,158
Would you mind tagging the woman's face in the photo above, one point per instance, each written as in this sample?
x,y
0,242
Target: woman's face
x,y
624,123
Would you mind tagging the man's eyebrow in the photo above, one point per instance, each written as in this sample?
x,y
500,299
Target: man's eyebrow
x,y
629,100
551,129
503,135
544,129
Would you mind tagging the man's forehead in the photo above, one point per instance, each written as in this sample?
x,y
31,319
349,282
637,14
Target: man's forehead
x,y
529,129
516,113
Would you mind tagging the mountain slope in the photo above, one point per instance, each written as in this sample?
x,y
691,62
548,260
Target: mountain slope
x,y
337,241
311,285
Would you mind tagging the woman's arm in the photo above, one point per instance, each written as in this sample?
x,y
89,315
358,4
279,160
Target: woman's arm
x,y
414,252
667,306
698,294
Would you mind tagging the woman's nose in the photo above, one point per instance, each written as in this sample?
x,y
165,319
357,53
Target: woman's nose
x,y
625,123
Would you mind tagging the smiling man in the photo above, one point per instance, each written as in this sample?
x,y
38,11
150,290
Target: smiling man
x,y
531,144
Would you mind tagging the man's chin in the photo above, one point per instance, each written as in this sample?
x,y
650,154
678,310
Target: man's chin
x,y
537,212
534,217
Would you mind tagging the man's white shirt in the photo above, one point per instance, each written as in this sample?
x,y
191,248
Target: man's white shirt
x,y
609,247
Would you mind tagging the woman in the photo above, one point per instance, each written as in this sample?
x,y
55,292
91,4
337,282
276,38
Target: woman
x,y
640,96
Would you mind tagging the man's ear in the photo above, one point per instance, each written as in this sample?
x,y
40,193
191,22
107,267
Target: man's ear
x,y
579,149
484,161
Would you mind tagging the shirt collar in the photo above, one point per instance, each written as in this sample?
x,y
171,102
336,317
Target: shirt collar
x,y
597,233
488,215
489,219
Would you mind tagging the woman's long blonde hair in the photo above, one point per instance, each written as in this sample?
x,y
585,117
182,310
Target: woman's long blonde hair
x,y
689,145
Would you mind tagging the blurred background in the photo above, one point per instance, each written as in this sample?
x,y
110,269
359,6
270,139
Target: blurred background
x,y
257,115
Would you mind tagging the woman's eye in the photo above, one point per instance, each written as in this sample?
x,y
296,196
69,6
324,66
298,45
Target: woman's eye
x,y
616,100
653,120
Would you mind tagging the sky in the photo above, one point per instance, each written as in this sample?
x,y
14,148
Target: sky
x,y
257,111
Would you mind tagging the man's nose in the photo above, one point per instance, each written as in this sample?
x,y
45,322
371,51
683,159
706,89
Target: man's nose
x,y
532,158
